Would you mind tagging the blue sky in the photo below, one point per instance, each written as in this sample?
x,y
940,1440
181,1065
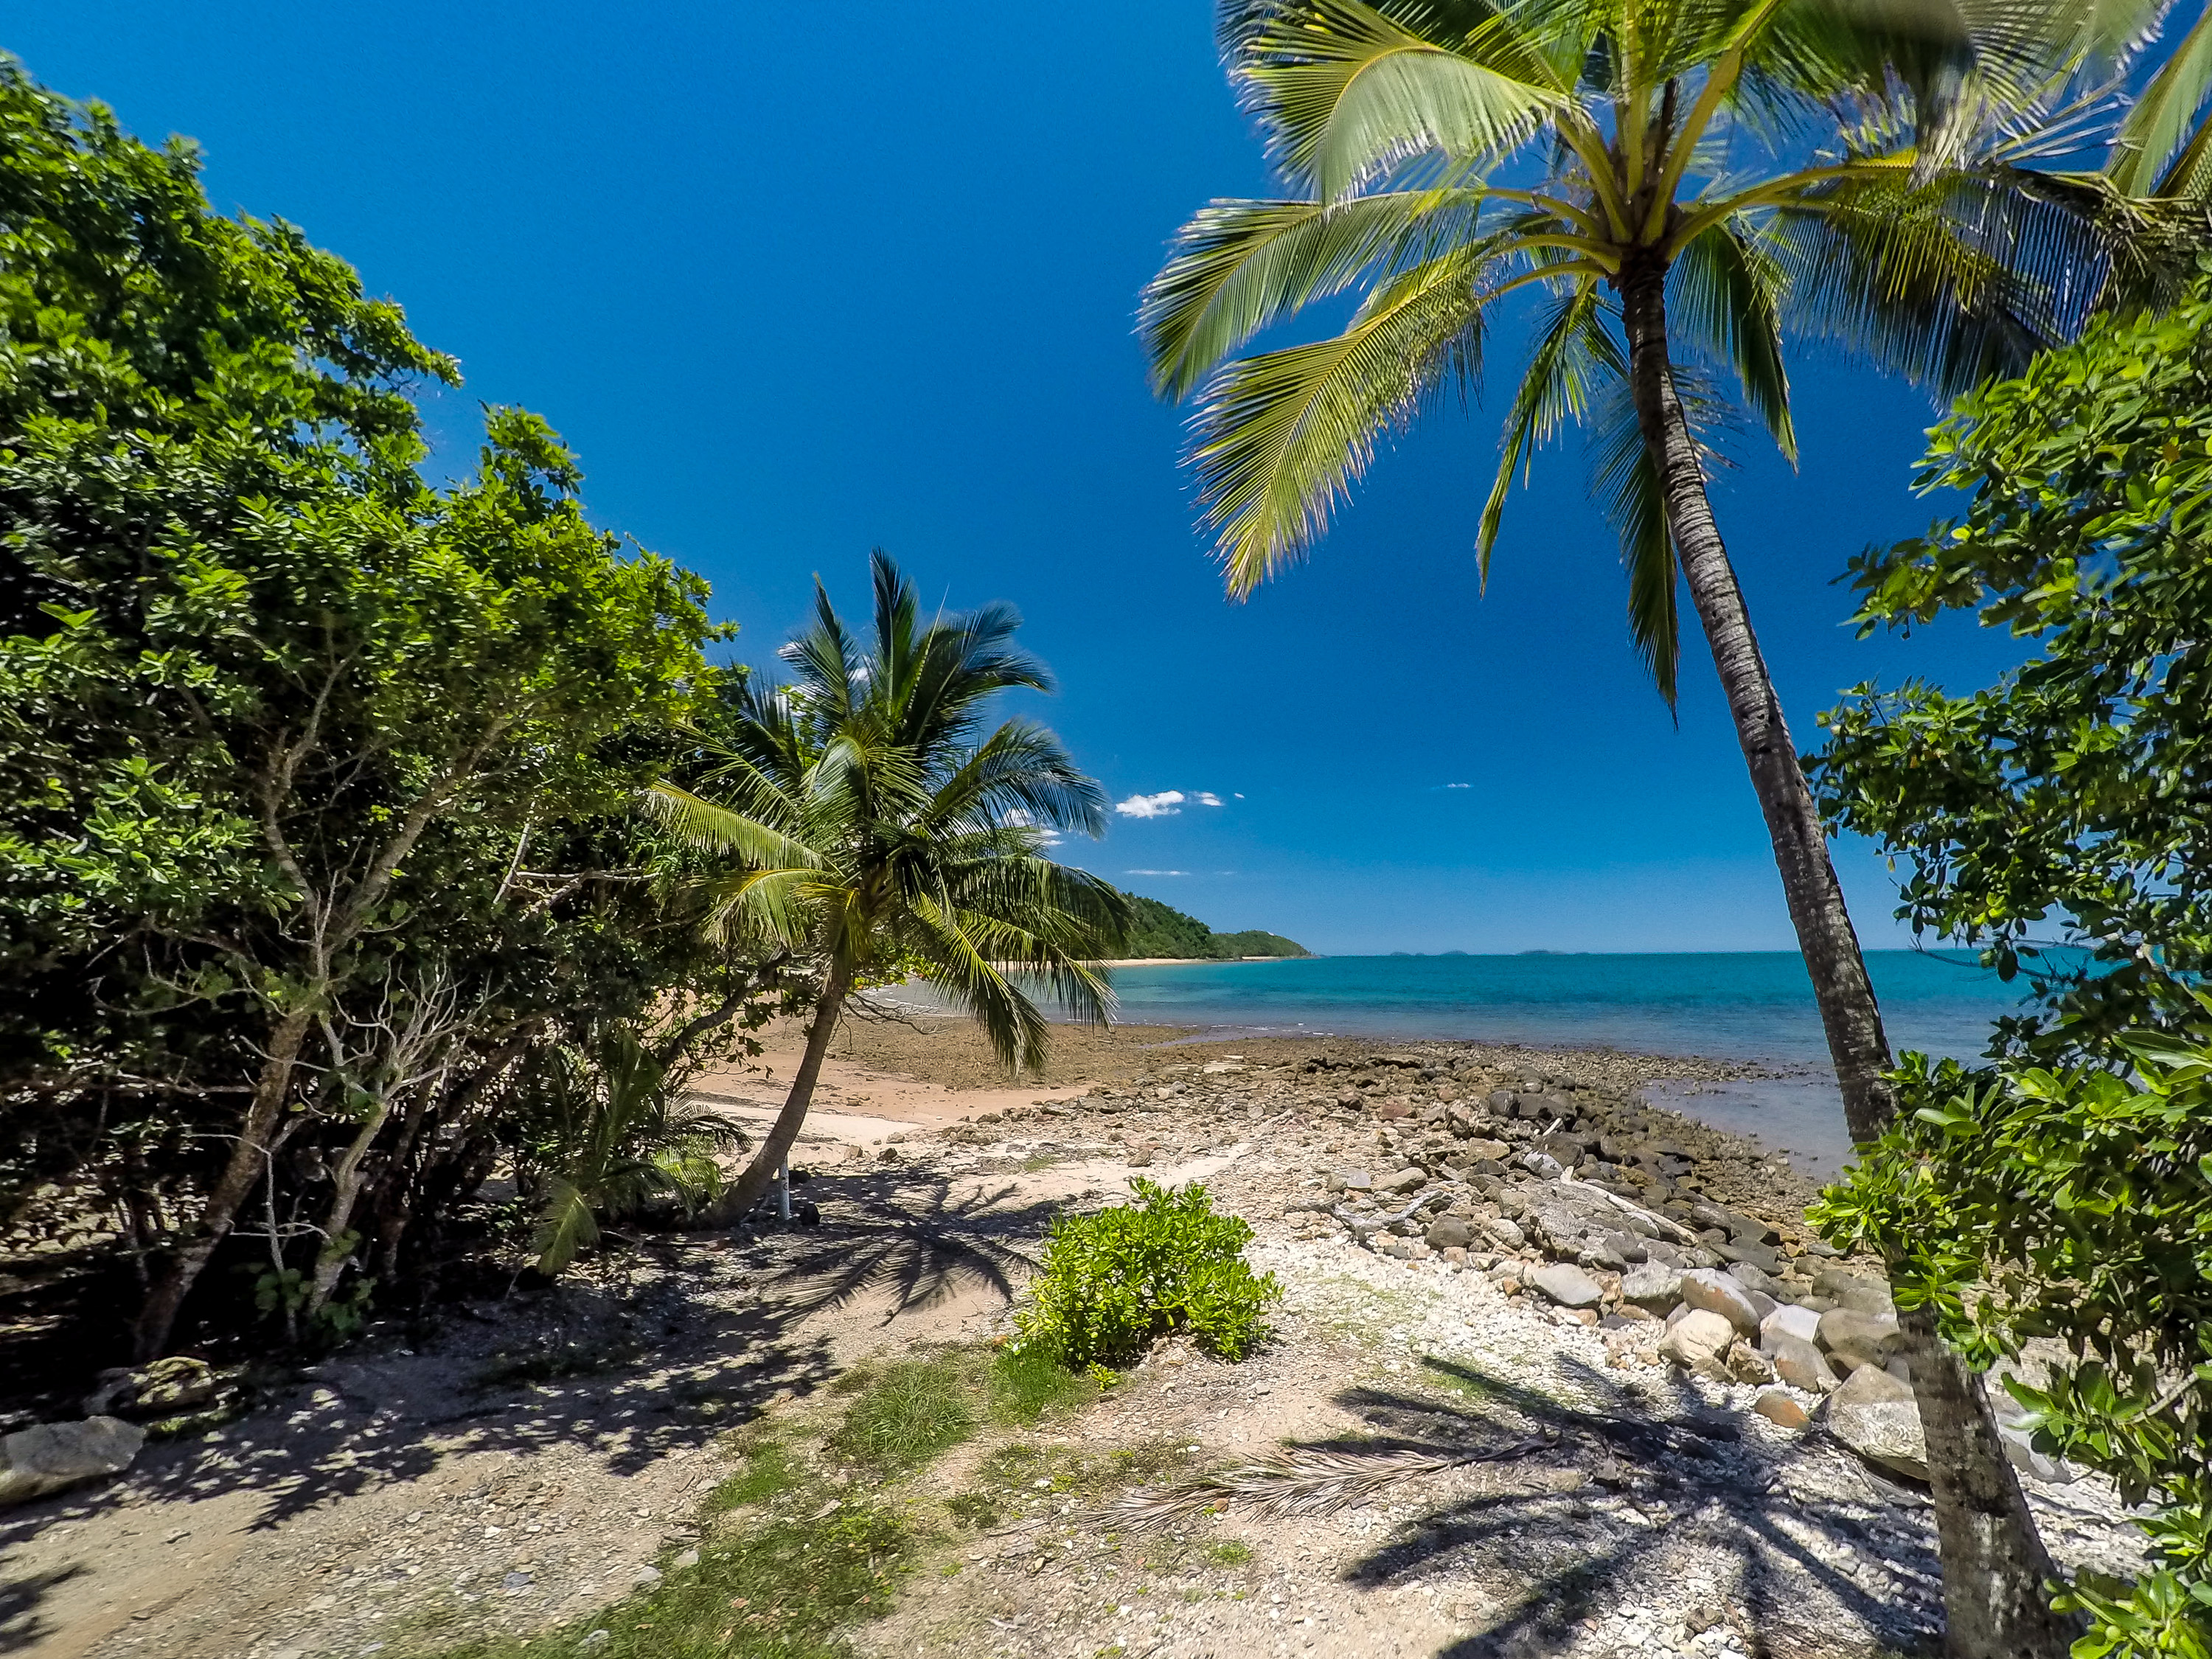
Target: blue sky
x,y
799,281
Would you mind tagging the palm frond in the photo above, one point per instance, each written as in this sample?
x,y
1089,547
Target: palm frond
x,y
705,825
565,1226
1345,90
1239,266
1281,435
1726,293
1572,349
1625,483
2163,149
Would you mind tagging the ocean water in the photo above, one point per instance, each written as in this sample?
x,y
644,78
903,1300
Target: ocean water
x,y
1749,1005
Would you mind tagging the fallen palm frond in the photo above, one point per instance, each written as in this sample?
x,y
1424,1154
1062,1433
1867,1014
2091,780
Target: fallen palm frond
x,y
1299,1481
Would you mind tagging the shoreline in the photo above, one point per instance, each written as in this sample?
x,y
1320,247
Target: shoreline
x,y
927,1071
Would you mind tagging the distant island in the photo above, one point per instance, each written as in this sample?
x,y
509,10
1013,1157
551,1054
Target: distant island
x,y
1158,931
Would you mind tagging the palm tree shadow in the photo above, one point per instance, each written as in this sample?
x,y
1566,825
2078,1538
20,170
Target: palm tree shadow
x,y
918,1252
1691,1474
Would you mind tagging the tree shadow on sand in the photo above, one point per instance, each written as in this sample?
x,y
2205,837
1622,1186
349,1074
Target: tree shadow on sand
x,y
1531,1528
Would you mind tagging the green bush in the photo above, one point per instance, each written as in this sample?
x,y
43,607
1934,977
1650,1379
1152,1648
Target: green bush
x,y
2021,1203
1114,1281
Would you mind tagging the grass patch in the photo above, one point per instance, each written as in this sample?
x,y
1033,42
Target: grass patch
x,y
1229,1552
781,1589
908,1413
771,1470
810,1537
1027,1382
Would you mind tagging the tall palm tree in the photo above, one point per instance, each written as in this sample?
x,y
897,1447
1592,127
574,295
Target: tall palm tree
x,y
1676,182
871,834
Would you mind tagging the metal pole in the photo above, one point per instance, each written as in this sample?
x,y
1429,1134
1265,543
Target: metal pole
x,y
783,1192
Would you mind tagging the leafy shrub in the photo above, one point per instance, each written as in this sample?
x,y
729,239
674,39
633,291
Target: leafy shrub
x,y
2077,1204
1114,1281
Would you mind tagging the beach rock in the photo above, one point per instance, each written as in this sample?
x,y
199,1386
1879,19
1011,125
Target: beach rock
x,y
1358,1180
1654,1286
1565,1150
1494,1150
1567,1285
1874,1414
1746,1365
1778,1408
1410,1179
1506,1235
1745,1254
1697,1342
1542,1165
1755,1278
49,1457
1853,1340
1715,1292
1787,1321
1450,1233
1853,1291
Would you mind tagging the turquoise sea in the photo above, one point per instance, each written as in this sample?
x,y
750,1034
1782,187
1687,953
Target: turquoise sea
x,y
1749,1005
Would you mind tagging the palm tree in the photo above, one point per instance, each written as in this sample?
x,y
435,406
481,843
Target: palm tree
x,y
1647,170
872,836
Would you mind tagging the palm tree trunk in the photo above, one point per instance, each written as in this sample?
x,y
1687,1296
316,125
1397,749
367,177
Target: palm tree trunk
x,y
1994,1563
748,1189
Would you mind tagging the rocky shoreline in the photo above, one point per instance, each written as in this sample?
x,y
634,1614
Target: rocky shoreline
x,y
1480,1249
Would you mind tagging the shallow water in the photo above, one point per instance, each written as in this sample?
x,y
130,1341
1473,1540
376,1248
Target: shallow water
x,y
1738,1006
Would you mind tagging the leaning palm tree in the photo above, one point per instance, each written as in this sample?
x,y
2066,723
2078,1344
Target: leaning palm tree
x,y
871,834
1675,184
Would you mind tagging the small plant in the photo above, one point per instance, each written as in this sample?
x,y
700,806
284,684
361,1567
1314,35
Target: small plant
x,y
612,1137
909,1412
1229,1552
1028,1380
1115,1281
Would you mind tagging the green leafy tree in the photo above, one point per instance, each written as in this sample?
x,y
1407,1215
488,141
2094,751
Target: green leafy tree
x,y
313,776
2070,803
2074,1207
872,830
1676,186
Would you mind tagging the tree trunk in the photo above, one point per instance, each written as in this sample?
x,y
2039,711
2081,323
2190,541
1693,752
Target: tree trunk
x,y
747,1190
1994,1562
339,1243
157,1316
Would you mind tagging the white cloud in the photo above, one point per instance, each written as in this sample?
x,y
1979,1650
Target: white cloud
x,y
1156,872
1240,794
1165,805
1206,798
1459,786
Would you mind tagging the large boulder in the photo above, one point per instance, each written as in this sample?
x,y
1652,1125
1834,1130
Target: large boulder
x,y
1654,1287
1874,1414
1715,1292
1698,1342
1410,1179
1567,1285
1798,1363
1853,1291
1854,1340
1789,1320
49,1457
1448,1231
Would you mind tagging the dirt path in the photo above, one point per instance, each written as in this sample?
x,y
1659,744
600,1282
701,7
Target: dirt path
x,y
545,1452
